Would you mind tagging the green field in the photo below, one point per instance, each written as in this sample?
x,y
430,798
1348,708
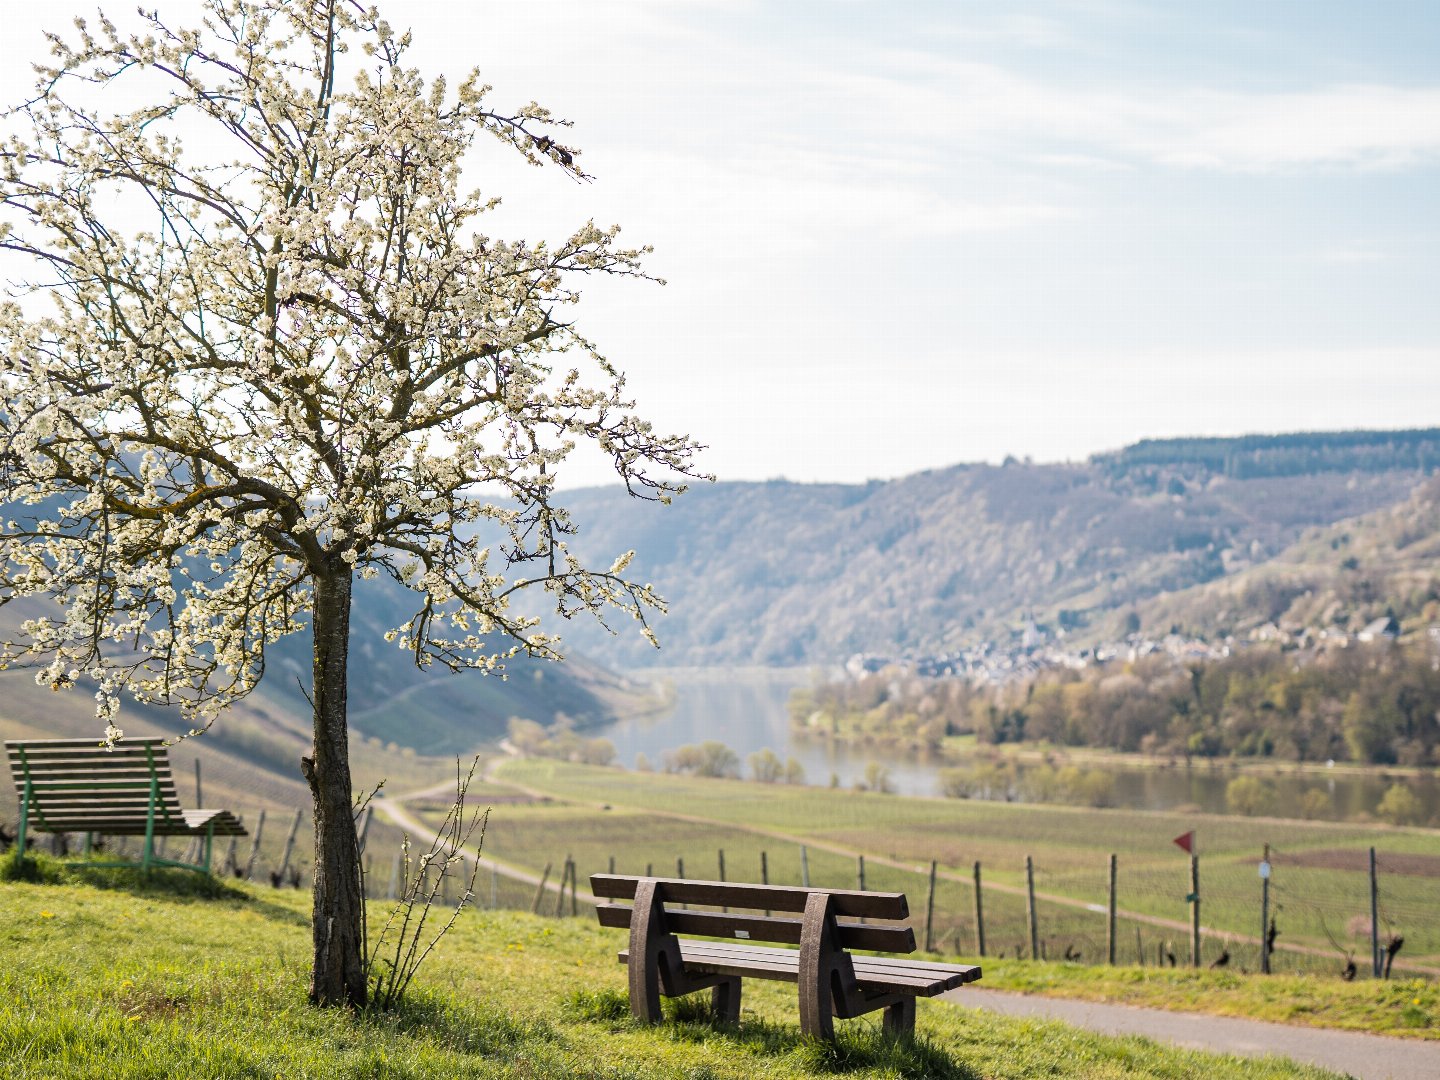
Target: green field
x,y
132,982
1319,889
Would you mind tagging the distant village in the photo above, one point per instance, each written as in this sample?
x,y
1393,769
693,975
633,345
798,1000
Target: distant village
x,y
1035,648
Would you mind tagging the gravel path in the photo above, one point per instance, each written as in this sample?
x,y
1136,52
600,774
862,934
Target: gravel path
x,y
1367,1057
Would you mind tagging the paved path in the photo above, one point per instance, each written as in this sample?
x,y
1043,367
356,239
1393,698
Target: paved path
x,y
1368,1057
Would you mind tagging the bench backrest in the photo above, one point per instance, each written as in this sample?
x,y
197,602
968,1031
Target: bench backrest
x,y
79,785
783,929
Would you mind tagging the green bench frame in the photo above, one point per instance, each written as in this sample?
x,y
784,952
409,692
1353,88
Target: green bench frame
x,y
83,786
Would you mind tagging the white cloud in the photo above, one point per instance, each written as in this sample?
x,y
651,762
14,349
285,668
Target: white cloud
x,y
1356,126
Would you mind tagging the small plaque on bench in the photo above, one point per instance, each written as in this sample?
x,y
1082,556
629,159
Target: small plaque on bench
x,y
742,933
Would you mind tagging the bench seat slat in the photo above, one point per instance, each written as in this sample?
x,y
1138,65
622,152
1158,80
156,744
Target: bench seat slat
x,y
868,905
117,825
920,970
783,965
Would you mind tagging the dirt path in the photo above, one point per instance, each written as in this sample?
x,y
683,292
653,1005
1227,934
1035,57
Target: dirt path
x,y
1367,1057
396,812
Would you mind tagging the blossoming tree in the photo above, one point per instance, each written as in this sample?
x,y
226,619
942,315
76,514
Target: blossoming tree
x,y
284,363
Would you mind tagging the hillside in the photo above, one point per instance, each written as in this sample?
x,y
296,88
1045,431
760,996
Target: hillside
x,y
399,714
786,573
1340,576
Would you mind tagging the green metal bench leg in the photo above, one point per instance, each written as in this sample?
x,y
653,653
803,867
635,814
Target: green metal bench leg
x,y
24,813
149,854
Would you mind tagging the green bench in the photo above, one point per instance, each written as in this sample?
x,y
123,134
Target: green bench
x,y
82,786
831,981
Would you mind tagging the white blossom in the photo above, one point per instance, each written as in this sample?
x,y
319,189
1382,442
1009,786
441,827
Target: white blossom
x,y
307,367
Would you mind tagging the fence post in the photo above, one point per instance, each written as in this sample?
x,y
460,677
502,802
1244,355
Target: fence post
x,y
1374,917
290,845
395,876
805,869
1139,947
365,827
1194,910
199,802
1265,912
722,873
860,875
1110,925
612,864
560,894
255,845
930,912
979,914
765,875
540,890
1030,908
494,887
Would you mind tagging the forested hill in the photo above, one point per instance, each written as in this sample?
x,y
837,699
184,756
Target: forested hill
x,y
1300,454
786,573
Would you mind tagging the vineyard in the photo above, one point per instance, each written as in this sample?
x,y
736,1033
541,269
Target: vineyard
x,y
1319,895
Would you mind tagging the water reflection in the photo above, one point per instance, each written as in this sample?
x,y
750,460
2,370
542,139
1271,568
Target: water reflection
x,y
746,710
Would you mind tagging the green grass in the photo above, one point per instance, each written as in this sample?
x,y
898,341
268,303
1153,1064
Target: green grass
x,y
1400,1007
119,984
1070,847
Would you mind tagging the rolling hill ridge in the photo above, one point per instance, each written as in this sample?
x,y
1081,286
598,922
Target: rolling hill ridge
x,y
788,573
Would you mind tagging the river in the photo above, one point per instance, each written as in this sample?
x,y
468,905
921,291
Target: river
x,y
746,709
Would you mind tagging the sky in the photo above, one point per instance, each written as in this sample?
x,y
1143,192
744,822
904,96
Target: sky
x,y
898,236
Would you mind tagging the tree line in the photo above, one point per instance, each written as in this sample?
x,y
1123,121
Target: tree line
x,y
1371,704
1294,454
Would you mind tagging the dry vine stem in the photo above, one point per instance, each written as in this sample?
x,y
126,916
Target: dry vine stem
x,y
403,945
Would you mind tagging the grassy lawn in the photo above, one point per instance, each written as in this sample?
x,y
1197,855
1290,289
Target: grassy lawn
x,y
1400,1007
131,982
1320,886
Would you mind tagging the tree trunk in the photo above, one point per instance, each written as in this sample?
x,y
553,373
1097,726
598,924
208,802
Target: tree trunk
x,y
338,977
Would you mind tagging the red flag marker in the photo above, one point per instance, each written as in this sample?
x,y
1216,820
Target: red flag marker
x,y
1187,841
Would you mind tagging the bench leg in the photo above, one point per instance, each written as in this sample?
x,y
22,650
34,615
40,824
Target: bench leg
x,y
900,1018
817,1009
725,1000
644,991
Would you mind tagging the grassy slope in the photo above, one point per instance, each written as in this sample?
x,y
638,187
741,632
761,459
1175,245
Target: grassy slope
x,y
120,984
1070,846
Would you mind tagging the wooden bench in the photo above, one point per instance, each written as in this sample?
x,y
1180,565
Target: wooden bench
x,y
82,786
831,981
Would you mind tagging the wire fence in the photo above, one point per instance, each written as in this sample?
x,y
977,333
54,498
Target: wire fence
x,y
1316,917
1317,914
